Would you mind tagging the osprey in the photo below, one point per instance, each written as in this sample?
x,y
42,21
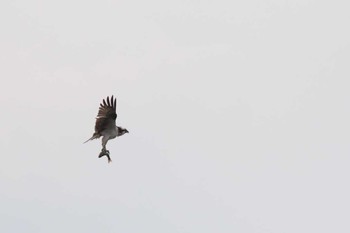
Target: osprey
x,y
105,125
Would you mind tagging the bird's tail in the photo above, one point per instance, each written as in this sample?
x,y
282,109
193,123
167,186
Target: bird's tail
x,y
95,136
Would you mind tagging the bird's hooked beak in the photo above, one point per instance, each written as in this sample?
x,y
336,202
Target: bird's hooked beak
x,y
126,131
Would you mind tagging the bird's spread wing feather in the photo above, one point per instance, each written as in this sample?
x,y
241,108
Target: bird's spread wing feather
x,y
106,115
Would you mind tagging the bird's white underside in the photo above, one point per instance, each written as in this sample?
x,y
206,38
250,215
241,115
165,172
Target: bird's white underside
x,y
110,132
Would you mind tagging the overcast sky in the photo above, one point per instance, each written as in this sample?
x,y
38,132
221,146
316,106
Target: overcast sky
x,y
238,113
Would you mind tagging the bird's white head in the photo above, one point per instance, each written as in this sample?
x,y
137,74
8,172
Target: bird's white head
x,y
122,131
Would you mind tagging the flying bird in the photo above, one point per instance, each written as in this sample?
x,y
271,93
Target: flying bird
x,y
105,125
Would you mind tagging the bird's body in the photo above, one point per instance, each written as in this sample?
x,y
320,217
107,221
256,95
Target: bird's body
x,y
105,125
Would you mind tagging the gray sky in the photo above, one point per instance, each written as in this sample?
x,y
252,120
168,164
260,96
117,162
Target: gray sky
x,y
238,113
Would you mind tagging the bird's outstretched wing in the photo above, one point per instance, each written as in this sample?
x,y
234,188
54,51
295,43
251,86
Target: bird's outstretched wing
x,y
106,115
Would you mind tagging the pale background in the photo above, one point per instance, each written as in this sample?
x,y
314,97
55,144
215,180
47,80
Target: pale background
x,y
238,113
